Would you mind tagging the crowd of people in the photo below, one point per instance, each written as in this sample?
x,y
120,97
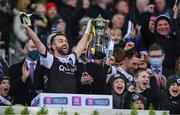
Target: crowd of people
x,y
143,70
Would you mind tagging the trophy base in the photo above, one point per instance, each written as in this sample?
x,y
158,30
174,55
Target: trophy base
x,y
99,55
99,52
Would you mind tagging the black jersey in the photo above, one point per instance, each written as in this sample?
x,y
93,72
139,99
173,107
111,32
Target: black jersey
x,y
61,78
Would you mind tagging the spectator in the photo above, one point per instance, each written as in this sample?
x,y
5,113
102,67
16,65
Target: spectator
x,y
4,90
71,13
163,37
41,24
59,24
119,55
118,22
5,24
156,58
116,36
17,27
101,7
27,75
139,101
170,98
133,35
146,86
51,11
122,7
117,85
83,23
161,8
51,14
141,5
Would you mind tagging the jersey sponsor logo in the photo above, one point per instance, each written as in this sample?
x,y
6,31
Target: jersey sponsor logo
x,y
67,68
67,65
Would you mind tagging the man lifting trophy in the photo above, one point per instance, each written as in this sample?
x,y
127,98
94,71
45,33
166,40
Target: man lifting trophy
x,y
99,41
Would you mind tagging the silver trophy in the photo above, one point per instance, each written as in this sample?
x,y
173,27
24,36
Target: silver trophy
x,y
101,40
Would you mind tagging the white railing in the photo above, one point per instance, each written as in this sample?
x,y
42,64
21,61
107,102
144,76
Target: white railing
x,y
81,111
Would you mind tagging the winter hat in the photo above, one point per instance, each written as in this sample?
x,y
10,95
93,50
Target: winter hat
x,y
162,17
136,97
50,5
3,77
173,79
54,29
117,76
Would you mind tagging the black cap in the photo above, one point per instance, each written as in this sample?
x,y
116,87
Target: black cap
x,y
173,79
3,77
136,97
162,17
117,76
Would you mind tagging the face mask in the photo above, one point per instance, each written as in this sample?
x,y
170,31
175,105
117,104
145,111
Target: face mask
x,y
34,55
156,62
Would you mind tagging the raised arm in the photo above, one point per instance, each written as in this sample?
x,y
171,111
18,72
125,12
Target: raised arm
x,y
25,20
175,27
83,42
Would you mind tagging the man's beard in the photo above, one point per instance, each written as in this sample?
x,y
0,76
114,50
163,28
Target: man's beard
x,y
129,70
62,51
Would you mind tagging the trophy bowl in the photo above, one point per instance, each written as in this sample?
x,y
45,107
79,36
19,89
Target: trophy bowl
x,y
100,25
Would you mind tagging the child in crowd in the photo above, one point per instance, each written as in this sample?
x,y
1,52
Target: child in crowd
x,y
170,98
146,86
116,36
40,12
139,101
117,85
4,90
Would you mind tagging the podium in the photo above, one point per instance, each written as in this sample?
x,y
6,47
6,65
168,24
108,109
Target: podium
x,y
72,100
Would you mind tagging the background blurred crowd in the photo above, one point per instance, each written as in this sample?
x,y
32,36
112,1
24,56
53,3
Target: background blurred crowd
x,y
144,68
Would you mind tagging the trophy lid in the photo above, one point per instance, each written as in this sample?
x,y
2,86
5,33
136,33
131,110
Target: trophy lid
x,y
100,24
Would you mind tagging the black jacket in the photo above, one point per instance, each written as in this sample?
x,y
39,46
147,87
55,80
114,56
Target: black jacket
x,y
151,95
98,72
169,44
119,100
170,103
24,92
